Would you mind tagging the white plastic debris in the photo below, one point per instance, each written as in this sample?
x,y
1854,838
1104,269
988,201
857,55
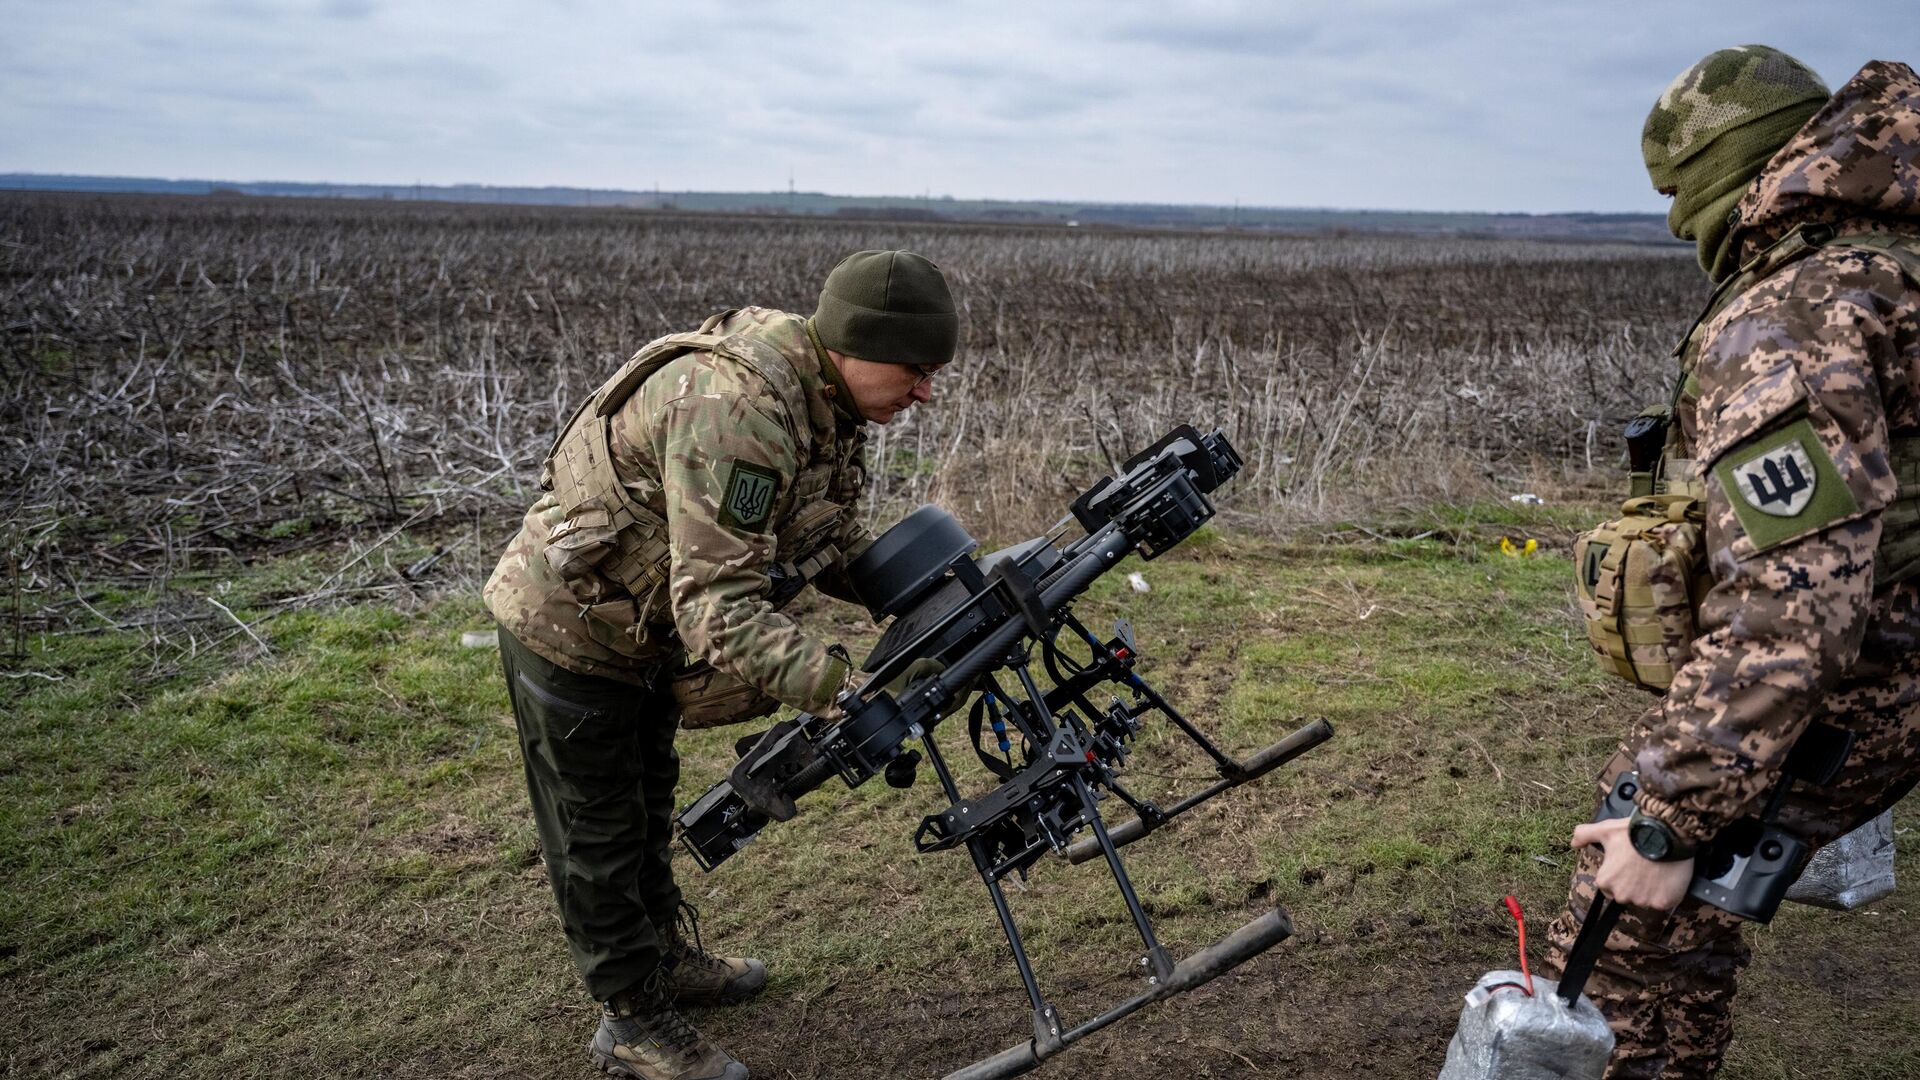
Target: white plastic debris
x,y
1527,498
1506,1035
1138,582
480,639
1851,872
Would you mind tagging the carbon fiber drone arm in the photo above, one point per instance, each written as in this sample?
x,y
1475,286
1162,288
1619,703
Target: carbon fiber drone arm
x,y
1159,501
797,756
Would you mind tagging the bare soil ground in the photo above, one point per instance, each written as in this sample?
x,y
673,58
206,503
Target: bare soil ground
x,y
320,862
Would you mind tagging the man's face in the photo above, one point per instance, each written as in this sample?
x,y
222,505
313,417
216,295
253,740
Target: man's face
x,y
883,391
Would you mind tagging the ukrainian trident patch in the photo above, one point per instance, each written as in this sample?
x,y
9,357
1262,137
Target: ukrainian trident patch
x,y
1784,485
749,499
1780,482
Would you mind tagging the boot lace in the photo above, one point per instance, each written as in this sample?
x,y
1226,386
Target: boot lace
x,y
686,927
672,1031
652,1018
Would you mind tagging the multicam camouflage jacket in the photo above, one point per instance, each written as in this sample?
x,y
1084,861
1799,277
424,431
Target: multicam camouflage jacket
x,y
735,456
1801,408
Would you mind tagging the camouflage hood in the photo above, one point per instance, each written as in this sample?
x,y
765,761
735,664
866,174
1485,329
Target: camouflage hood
x,y
1858,157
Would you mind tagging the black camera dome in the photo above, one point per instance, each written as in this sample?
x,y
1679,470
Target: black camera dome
x,y
906,560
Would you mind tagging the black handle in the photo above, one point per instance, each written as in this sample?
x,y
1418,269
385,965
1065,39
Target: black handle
x,y
1587,947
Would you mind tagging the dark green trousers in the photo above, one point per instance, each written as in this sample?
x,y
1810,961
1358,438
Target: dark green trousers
x,y
601,771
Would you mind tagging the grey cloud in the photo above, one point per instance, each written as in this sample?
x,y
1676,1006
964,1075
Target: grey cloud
x,y
431,71
1266,39
1314,30
1396,103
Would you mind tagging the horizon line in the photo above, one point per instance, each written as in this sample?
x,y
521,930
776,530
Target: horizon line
x,y
661,193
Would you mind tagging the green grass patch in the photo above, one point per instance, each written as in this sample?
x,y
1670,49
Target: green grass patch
x,y
320,860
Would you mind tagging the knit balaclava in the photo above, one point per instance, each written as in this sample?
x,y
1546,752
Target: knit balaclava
x,y
1712,132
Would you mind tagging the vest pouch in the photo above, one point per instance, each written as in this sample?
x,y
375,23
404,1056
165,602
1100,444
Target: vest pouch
x,y
809,485
809,528
642,565
614,625
580,542
804,549
706,697
1641,578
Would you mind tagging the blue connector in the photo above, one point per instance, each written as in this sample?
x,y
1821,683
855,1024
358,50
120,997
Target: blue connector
x,y
999,725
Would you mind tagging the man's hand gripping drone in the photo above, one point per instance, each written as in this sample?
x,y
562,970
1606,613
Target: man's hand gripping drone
x,y
983,619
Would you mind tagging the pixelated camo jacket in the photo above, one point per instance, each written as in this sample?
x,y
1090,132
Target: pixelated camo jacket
x,y
1802,382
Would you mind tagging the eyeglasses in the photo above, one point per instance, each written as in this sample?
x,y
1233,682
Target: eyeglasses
x,y
926,375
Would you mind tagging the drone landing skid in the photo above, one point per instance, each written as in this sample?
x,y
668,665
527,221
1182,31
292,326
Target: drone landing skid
x,y
1039,806
1202,967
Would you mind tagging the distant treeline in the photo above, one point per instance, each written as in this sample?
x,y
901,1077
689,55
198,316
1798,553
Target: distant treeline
x,y
1640,228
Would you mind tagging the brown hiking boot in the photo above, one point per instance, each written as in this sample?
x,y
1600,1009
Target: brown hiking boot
x,y
642,1036
698,977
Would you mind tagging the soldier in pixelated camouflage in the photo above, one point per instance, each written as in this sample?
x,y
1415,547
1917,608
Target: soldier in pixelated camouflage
x,y
1799,406
701,486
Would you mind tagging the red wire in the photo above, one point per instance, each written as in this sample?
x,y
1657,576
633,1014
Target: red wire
x,y
1513,909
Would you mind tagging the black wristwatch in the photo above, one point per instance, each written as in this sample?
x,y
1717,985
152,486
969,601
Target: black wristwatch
x,y
1655,840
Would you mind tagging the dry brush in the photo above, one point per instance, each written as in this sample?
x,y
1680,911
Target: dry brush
x,y
189,381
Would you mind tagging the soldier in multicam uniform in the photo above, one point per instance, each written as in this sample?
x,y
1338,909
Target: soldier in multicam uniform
x,y
714,475
1799,408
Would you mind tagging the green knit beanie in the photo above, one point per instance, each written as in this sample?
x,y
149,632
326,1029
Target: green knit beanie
x,y
1712,132
890,307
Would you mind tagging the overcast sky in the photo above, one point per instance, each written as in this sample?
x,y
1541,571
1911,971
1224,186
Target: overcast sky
x,y
1531,105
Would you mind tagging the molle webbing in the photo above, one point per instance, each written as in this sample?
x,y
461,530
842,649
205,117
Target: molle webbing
x,y
617,536
1641,578
1681,476
1899,247
581,475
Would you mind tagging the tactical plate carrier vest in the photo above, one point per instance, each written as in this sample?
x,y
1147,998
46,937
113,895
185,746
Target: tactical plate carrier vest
x,y
1642,577
612,549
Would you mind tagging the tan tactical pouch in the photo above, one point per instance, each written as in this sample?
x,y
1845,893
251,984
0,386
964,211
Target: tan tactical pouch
x,y
708,697
1641,579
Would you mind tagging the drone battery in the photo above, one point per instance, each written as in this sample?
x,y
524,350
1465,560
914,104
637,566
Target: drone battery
x,y
718,825
1505,1034
1851,872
